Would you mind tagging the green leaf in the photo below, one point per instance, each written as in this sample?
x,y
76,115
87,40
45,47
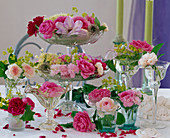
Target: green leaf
x,y
98,124
111,65
11,61
102,27
160,55
74,113
68,125
28,115
95,115
120,119
4,107
97,21
157,48
87,88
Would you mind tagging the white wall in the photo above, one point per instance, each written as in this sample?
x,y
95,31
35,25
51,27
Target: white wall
x,y
15,15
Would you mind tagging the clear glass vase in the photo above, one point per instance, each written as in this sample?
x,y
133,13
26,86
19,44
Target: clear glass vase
x,y
15,123
108,121
15,88
130,118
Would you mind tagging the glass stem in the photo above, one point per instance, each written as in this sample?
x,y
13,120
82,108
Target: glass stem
x,y
68,91
49,115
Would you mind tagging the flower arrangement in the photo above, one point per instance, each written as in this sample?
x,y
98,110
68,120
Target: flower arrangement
x,y
19,106
69,66
14,68
65,25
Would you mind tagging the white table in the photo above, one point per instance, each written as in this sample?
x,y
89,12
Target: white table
x,y
71,133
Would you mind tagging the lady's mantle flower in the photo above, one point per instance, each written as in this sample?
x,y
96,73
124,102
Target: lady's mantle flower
x,y
70,28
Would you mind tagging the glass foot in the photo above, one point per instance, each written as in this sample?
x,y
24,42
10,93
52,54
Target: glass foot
x,y
128,127
69,106
107,130
49,125
148,124
147,90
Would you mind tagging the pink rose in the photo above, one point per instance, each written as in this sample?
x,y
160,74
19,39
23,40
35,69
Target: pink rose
x,y
86,68
72,69
29,71
28,101
16,106
106,104
47,28
50,89
84,21
97,95
55,69
141,45
60,19
148,59
64,70
94,61
130,97
13,71
82,122
90,19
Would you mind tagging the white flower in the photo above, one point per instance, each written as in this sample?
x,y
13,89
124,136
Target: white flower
x,y
99,67
29,71
13,71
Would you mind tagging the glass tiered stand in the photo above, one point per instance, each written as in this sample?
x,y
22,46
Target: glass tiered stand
x,y
70,42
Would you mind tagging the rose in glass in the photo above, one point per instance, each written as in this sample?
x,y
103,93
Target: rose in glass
x,y
106,104
96,95
130,97
143,45
47,28
29,71
82,122
16,106
50,89
28,101
86,68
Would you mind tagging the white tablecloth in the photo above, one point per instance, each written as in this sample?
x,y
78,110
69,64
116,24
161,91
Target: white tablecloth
x,y
71,133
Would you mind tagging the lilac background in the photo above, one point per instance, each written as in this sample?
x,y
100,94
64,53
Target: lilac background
x,y
161,31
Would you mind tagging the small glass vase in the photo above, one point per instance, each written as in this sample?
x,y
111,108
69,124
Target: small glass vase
x,y
130,118
15,123
108,121
14,88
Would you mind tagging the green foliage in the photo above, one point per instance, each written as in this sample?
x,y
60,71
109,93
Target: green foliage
x,y
73,114
97,22
12,59
28,115
68,125
95,115
160,55
111,65
87,88
3,68
157,48
120,119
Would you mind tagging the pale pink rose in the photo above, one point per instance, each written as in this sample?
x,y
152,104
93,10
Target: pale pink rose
x,y
96,95
82,122
106,104
72,69
54,69
141,45
64,70
130,98
47,28
13,71
29,71
99,67
86,68
50,89
148,59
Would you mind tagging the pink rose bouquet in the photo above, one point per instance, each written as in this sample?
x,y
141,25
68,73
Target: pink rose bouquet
x,y
82,122
96,95
130,97
50,89
18,106
65,25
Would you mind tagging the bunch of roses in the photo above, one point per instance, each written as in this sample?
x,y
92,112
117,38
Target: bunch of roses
x,y
15,68
50,89
130,98
64,25
17,105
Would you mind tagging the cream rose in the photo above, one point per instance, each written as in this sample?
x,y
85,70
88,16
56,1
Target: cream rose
x,y
99,67
13,71
29,71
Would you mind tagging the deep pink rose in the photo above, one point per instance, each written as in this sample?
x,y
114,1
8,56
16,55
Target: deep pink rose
x,y
16,106
90,19
141,45
96,95
47,28
94,61
130,98
82,122
85,22
28,101
60,19
64,70
86,68
50,89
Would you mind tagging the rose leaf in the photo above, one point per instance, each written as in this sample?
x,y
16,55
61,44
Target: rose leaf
x,y
120,119
28,115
